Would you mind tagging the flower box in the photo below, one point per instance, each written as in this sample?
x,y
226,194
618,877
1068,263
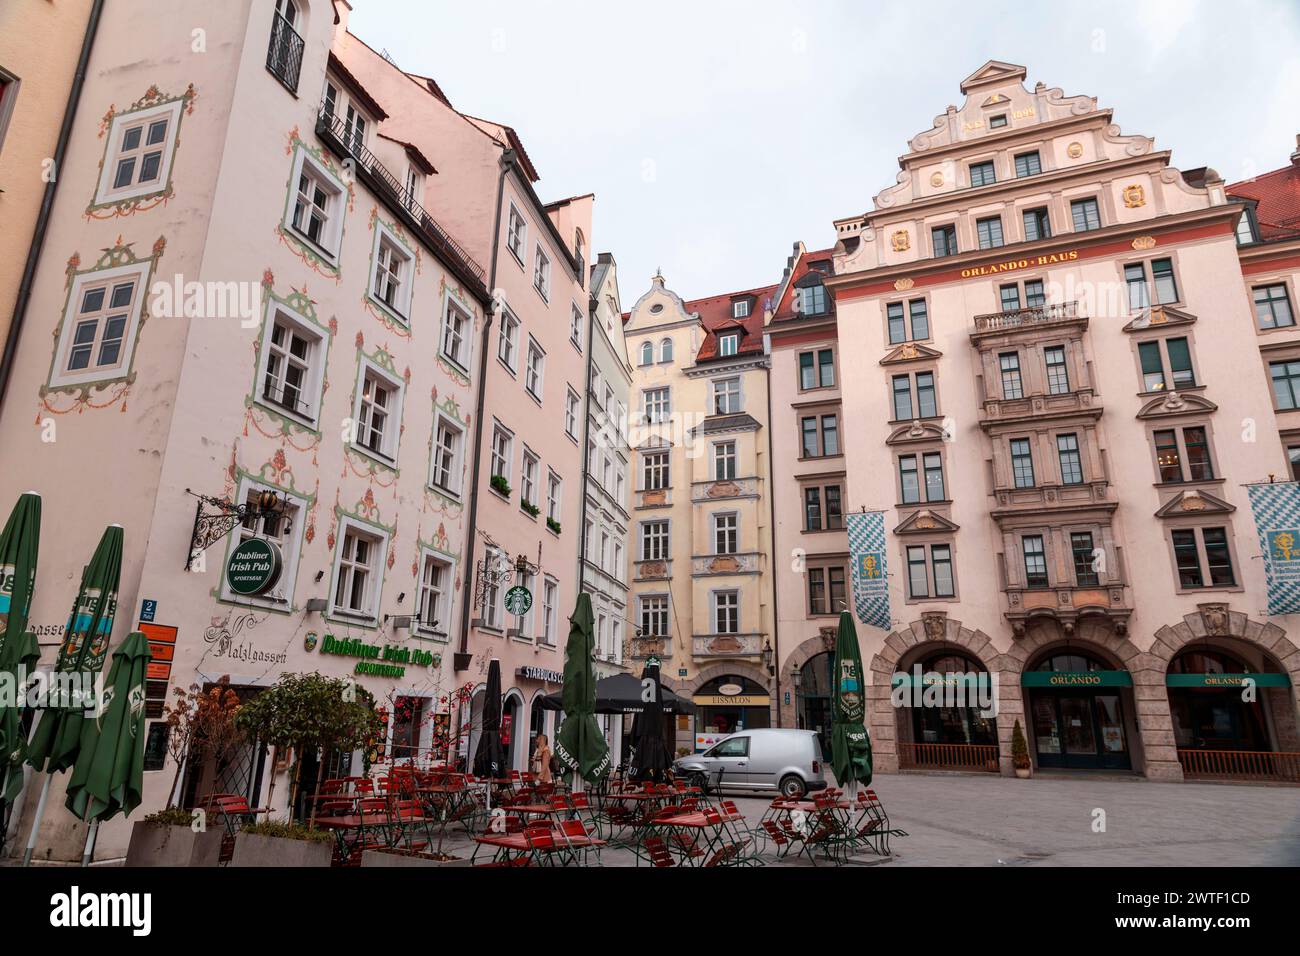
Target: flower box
x,y
161,844
255,849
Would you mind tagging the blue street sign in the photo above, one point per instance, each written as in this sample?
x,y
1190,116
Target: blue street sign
x,y
147,610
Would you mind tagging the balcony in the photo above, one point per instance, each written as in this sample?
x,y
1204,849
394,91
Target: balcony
x,y
727,645
1046,317
284,55
1079,402
1067,605
1052,499
334,132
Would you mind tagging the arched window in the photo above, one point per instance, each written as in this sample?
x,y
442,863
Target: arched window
x,y
666,350
647,353
956,724
1204,661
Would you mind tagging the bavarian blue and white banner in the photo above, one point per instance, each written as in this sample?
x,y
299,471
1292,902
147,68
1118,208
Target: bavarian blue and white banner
x,y
1276,507
870,582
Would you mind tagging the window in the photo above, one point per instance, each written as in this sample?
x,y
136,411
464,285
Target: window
x,y
282,528
998,122
982,174
726,396
1084,215
351,129
408,722
1037,224
724,461
1286,383
1009,363
414,190
1035,296
1009,297
139,152
502,452
817,369
8,95
456,328
816,517
654,616
898,325
448,445
902,397
926,405
656,403
726,534
728,344
820,436
924,569
944,240
666,350
1210,561
1058,376
826,590
1067,453
647,353
508,342
317,207
542,274
516,234
292,366
378,413
1035,561
536,366
554,496
1167,367
726,612
1272,306
617,568
1173,448
740,310
1028,164
1022,463
989,232
1139,293
575,327
528,479
493,597
1085,563
358,572
909,477
654,471
812,299
571,407
654,541
435,594
390,284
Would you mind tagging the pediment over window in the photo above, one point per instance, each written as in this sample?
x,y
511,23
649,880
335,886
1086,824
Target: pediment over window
x,y
917,431
655,443
1159,317
910,352
924,522
1173,403
1194,503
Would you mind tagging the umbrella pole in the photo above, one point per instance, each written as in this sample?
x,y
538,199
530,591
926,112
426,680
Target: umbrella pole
x,y
36,824
90,843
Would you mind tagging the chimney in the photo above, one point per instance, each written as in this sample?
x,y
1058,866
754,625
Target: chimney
x,y
1295,157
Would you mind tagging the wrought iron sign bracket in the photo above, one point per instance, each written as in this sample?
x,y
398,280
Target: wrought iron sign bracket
x,y
214,518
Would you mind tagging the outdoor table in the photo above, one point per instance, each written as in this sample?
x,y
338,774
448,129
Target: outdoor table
x,y
825,825
687,830
513,848
643,808
447,803
350,830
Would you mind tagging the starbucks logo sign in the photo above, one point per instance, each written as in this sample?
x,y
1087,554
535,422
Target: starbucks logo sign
x,y
253,567
518,600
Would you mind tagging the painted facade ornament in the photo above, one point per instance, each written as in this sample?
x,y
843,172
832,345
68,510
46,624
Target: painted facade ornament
x,y
153,98
1134,196
1192,503
900,240
1142,243
936,180
1074,150
902,285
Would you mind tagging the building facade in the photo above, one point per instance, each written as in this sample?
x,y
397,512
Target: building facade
x,y
1057,436
701,527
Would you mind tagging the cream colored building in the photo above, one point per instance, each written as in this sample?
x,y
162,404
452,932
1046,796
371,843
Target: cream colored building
x,y
701,518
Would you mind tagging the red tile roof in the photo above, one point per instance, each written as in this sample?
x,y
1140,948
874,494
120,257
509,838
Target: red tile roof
x,y
716,315
1278,201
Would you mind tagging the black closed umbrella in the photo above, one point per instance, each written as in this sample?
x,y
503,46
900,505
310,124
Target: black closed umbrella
x,y
490,755
649,759
621,694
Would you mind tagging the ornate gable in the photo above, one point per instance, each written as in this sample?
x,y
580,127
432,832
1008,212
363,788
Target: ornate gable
x,y
925,522
1194,502
917,431
910,352
1159,317
1172,403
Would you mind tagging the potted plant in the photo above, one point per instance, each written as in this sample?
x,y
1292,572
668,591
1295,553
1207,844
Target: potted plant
x,y
173,837
531,508
276,843
500,485
1020,753
553,525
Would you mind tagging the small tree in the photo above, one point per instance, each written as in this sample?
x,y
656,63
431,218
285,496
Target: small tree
x,y
201,721
1019,749
311,712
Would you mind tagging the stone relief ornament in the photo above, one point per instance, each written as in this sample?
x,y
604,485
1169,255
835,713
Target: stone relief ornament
x,y
1134,196
935,625
902,285
1074,150
900,240
936,179
1144,242
1215,617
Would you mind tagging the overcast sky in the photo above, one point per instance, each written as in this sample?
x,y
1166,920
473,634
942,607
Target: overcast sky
x,y
715,133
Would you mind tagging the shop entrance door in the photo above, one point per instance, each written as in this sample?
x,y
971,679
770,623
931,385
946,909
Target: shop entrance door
x,y
1080,731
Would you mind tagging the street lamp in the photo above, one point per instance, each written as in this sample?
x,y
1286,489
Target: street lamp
x,y
796,676
767,656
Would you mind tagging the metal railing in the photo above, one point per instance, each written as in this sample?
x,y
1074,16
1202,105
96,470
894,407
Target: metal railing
x,y
371,171
284,55
1241,765
972,758
1021,318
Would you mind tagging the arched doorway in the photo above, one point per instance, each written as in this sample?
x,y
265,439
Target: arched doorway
x,y
814,692
514,737
941,723
536,726
728,703
1080,712
1218,704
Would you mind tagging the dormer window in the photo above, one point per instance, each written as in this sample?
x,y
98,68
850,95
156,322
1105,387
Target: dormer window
x,y
740,309
812,299
347,119
728,344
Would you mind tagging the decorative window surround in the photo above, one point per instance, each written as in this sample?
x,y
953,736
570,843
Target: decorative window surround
x,y
378,368
346,563
306,410
327,188
288,534
392,263
157,157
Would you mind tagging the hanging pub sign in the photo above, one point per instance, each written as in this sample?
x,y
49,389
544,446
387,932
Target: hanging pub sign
x,y
1276,506
253,567
870,581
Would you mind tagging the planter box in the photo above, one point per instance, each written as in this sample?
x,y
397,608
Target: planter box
x,y
158,844
398,858
253,849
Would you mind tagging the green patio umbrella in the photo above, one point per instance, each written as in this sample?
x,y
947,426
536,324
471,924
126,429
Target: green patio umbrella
x,y
57,739
107,777
18,658
19,544
580,745
850,745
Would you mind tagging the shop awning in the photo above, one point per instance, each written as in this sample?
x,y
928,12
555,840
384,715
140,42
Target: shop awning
x,y
1080,680
1226,680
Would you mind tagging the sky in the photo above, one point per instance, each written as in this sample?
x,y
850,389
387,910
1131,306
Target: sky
x,y
716,134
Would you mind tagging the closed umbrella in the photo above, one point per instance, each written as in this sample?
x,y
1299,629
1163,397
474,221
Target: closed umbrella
x,y
18,658
108,774
490,754
580,745
19,544
850,745
54,745
649,758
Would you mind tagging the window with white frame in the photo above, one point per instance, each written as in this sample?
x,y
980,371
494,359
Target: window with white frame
x,y
414,191
99,328
283,528
554,496
8,96
436,590
726,396
618,481
726,612
575,327
657,405
448,447
502,452
726,533
724,460
391,283
666,351
728,344
528,478
647,353
603,562
654,615
572,405
654,541
535,369
355,121
616,566
493,610
140,145
524,622
606,472
358,571
550,610
508,341
516,233
316,213
542,273
456,331
292,370
740,310
377,415
654,470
